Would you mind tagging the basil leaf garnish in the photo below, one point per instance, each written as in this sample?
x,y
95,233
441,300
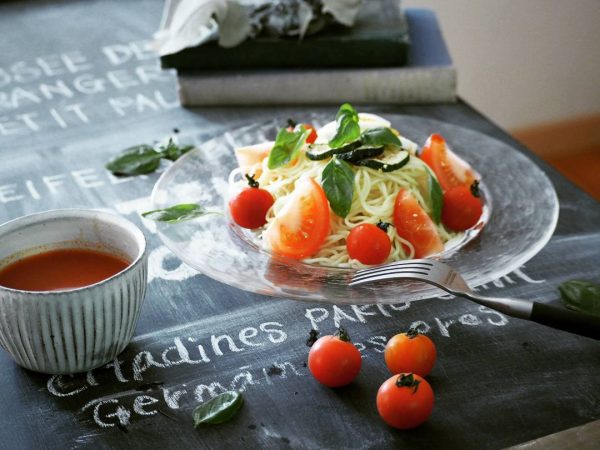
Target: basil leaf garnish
x,y
376,137
218,409
338,183
143,159
286,147
177,213
172,151
137,160
347,129
436,197
581,295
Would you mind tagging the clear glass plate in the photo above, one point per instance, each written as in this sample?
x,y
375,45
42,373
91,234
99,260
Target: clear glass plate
x,y
521,214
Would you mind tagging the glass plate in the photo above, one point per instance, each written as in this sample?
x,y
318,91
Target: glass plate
x,y
521,214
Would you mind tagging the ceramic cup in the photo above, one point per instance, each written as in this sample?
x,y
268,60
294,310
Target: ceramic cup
x,y
75,330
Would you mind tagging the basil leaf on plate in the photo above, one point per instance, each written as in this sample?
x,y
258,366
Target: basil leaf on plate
x,y
376,137
173,151
218,409
177,213
286,147
137,160
581,295
338,183
347,129
436,197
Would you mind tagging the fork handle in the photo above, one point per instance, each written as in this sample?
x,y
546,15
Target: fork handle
x,y
551,316
566,319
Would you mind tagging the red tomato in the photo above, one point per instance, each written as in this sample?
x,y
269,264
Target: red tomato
x,y
300,228
450,169
368,243
312,137
410,352
333,360
462,209
405,401
249,208
413,224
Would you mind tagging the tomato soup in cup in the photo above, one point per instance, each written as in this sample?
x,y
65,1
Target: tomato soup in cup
x,y
72,283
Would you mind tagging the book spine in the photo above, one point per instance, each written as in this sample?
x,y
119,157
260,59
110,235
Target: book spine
x,y
359,86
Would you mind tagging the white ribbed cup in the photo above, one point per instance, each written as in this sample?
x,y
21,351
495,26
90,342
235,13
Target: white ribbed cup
x,y
73,330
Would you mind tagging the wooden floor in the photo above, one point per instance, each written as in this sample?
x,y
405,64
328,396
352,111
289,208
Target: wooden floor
x,y
572,146
583,169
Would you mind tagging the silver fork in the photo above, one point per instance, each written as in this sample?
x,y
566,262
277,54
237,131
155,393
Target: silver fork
x,y
444,277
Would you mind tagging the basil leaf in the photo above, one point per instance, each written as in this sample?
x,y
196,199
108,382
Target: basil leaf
x,y
172,151
137,160
376,137
177,213
286,147
347,129
581,295
436,197
218,409
338,183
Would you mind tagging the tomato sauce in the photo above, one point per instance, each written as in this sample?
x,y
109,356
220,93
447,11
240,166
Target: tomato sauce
x,y
60,269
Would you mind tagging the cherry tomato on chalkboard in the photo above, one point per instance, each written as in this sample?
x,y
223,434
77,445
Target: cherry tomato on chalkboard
x,y
405,401
249,208
333,360
410,352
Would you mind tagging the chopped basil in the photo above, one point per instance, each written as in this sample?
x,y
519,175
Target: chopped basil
x,y
374,137
581,295
338,183
286,147
347,129
177,213
218,409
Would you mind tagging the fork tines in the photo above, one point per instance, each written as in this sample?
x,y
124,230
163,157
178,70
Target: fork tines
x,y
414,268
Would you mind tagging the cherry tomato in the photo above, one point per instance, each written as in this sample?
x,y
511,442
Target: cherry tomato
x,y
249,208
413,224
368,243
300,228
333,360
450,169
410,352
462,207
405,401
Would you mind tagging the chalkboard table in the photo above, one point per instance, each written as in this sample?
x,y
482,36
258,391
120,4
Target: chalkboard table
x,y
77,86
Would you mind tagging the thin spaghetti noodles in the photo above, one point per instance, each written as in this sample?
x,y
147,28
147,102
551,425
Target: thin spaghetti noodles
x,y
375,192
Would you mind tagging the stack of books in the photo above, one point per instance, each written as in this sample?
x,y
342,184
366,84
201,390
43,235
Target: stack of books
x,y
390,56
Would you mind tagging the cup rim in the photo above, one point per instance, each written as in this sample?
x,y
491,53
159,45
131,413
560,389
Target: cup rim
x,y
84,213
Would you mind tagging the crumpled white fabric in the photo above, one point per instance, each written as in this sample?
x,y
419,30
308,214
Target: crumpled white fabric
x,y
189,23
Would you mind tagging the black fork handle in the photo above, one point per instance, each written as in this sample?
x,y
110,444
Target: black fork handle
x,y
566,319
552,316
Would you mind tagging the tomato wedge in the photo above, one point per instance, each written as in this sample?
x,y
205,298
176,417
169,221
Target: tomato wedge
x,y
300,228
449,168
413,224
